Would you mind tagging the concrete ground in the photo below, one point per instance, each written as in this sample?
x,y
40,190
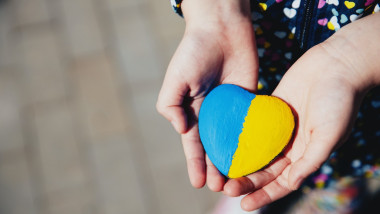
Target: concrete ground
x,y
79,132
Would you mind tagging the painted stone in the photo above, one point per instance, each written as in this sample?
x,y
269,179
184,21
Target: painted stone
x,y
242,132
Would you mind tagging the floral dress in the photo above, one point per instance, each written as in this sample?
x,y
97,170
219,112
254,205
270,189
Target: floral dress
x,y
349,182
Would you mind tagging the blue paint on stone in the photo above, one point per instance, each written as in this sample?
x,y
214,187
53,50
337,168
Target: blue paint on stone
x,y
221,120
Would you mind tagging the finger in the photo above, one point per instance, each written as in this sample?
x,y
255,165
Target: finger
x,y
238,186
195,157
170,99
247,80
317,152
266,195
215,180
254,181
241,64
245,73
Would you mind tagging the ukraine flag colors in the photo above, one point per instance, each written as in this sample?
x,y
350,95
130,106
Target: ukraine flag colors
x,y
242,132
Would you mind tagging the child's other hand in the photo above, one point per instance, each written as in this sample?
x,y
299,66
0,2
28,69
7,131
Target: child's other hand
x,y
218,47
325,101
325,88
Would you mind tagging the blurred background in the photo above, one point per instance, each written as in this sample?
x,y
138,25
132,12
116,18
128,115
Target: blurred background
x,y
79,132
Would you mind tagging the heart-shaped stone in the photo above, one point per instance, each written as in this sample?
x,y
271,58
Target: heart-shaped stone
x,y
242,132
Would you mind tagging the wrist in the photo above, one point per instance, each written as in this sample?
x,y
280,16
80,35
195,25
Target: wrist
x,y
357,47
199,13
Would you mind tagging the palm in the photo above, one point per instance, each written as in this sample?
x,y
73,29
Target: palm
x,y
325,105
203,60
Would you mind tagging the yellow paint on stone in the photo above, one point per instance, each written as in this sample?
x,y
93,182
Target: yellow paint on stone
x,y
267,129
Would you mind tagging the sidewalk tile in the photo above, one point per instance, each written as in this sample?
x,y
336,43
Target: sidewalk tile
x,y
121,4
72,200
41,63
10,104
107,125
158,135
16,191
164,21
7,53
135,46
57,147
164,153
28,12
97,97
119,187
81,27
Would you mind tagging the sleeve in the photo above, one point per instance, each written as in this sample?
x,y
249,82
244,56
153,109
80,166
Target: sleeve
x,y
176,4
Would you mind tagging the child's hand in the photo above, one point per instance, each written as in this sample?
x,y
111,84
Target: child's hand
x,y
325,88
325,101
218,48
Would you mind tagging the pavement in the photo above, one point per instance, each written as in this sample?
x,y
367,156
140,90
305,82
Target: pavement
x,y
79,132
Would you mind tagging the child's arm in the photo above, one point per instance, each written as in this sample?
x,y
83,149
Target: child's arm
x,y
218,47
325,87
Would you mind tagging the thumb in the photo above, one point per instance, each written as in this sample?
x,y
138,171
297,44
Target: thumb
x,y
317,152
190,64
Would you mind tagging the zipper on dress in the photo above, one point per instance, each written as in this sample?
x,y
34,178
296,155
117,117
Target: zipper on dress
x,y
309,6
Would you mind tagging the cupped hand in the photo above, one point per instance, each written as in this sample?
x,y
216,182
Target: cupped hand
x,y
324,90
212,52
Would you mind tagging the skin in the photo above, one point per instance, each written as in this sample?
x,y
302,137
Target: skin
x,y
325,88
220,48
326,97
